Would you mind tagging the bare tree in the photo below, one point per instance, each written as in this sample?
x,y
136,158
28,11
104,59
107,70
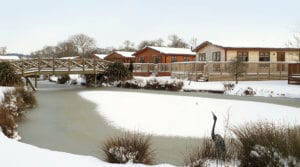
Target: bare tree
x,y
159,43
128,46
2,50
237,68
66,49
85,45
177,42
194,42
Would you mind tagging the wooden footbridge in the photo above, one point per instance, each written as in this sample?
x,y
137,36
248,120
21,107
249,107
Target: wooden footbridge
x,y
55,66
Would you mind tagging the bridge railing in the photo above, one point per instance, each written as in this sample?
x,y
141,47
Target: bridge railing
x,y
56,65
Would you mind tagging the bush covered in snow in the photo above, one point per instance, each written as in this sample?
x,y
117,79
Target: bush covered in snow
x,y
128,149
153,84
267,144
117,72
8,76
14,104
63,79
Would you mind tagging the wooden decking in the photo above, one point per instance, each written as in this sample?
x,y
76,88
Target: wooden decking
x,y
33,67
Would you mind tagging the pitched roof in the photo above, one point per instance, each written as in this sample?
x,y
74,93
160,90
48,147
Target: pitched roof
x,y
169,50
204,44
101,56
125,54
9,58
66,58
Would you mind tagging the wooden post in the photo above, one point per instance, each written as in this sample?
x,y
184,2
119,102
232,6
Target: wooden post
x,y
95,74
83,64
39,65
69,65
269,70
22,64
257,71
280,71
53,65
35,80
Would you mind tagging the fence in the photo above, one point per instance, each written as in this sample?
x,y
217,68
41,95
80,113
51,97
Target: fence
x,y
215,70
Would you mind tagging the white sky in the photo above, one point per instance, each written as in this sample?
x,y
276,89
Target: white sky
x,y
29,25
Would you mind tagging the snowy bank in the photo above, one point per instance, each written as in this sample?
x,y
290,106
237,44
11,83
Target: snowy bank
x,y
181,115
16,154
274,88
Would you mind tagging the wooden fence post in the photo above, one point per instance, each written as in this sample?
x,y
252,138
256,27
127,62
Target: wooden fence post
x,y
270,70
22,65
95,73
53,65
257,71
39,65
280,70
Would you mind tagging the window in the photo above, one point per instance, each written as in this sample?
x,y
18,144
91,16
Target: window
x,y
174,59
186,58
264,56
216,56
202,57
157,59
142,60
243,55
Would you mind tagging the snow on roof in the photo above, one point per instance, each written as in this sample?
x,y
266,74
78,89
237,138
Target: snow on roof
x,y
68,57
9,58
125,54
101,56
168,50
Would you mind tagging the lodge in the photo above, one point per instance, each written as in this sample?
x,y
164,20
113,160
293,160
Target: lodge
x,y
210,52
120,56
151,54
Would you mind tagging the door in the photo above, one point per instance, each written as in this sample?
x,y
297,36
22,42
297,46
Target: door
x,y
280,60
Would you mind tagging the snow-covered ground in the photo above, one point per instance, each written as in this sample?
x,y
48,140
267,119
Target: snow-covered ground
x,y
276,88
181,115
16,154
4,90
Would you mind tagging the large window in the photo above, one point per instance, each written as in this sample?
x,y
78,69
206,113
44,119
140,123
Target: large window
x,y
142,59
264,56
186,58
216,56
243,55
174,59
157,59
202,57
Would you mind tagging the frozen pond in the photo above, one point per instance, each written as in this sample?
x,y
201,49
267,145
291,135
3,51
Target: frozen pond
x,y
64,121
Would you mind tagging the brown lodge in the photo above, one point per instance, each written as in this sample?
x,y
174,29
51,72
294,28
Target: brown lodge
x,y
206,52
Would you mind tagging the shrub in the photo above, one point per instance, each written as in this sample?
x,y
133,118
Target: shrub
x,y
131,67
201,155
117,72
249,92
128,148
18,100
265,144
90,79
171,86
27,97
8,76
7,122
63,79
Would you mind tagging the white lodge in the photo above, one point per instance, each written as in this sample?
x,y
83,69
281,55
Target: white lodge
x,y
208,51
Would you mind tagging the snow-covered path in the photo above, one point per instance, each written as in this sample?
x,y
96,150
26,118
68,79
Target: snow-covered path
x,y
181,115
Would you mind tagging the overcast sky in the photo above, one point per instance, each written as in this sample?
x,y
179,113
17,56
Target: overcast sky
x,y
27,25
